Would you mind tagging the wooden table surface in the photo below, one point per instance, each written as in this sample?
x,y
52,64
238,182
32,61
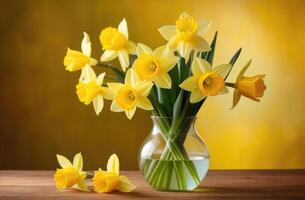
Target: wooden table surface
x,y
228,184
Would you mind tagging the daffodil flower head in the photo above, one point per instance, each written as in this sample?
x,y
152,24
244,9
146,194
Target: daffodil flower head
x,y
110,180
205,80
154,65
130,95
76,60
90,89
116,44
186,35
251,87
71,175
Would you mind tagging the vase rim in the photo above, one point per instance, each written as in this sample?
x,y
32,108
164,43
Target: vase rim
x,y
157,117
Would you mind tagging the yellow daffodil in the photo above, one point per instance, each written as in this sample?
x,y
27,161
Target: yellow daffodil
x,y
205,80
186,35
90,89
110,180
130,95
71,175
251,87
76,60
154,65
116,44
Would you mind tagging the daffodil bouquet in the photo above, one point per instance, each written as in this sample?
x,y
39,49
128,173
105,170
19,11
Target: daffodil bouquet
x,y
173,81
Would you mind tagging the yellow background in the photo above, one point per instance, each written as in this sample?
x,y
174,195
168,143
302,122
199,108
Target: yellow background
x,y
41,115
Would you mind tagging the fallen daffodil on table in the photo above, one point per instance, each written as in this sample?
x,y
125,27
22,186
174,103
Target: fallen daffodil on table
x,y
110,180
173,81
70,175
73,176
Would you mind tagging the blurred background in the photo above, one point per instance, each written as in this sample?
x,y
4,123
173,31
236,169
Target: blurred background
x,y
41,114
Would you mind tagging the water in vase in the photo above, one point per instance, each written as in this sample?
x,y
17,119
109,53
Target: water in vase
x,y
175,174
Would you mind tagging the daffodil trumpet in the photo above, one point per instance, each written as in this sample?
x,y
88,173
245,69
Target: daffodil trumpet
x,y
172,81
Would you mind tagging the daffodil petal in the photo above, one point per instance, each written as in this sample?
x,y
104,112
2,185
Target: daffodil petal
x,y
166,58
204,27
108,55
107,93
82,75
92,62
63,161
173,44
124,59
236,97
242,72
200,44
131,48
224,90
130,77
86,45
83,175
223,70
161,51
100,78
81,185
200,66
123,28
78,162
184,49
168,32
163,81
115,107
125,185
130,113
166,64
115,86
144,103
98,104
143,87
89,74
143,49
196,96
113,164
190,83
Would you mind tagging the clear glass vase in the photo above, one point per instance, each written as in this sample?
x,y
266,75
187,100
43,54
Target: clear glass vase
x,y
173,156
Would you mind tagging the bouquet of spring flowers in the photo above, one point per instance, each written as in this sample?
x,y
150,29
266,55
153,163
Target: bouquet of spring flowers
x,y
172,81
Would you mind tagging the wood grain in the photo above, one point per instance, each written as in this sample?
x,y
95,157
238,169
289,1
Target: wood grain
x,y
238,184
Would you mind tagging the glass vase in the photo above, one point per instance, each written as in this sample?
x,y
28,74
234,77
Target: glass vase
x,y
173,156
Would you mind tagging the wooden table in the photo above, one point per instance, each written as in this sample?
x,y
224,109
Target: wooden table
x,y
238,184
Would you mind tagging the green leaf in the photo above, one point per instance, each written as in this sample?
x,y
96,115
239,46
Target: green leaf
x,y
174,74
233,60
117,72
178,105
132,58
204,55
235,57
164,100
181,68
210,54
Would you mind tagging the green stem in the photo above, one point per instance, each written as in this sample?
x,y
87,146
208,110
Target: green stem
x,y
233,85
